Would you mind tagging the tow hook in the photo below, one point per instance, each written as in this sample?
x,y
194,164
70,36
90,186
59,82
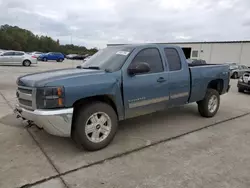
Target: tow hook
x,y
18,112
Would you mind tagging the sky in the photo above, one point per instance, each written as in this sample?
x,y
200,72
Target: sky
x,y
94,23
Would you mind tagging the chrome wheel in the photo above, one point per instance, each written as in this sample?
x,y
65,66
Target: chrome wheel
x,y
98,127
212,104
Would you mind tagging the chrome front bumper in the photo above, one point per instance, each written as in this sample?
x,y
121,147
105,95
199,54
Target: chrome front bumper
x,y
55,122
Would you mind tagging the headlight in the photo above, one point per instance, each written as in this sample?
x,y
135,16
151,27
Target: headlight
x,y
240,79
50,97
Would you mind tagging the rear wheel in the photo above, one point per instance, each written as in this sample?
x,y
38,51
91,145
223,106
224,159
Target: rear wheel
x,y
235,75
59,60
94,126
209,106
26,63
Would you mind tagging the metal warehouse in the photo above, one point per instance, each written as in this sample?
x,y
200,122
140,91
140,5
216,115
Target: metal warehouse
x,y
217,52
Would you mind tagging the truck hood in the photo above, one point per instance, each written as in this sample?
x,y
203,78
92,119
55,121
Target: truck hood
x,y
42,78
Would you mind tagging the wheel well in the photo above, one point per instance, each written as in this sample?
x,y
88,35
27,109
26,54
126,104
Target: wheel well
x,y
26,60
217,85
101,98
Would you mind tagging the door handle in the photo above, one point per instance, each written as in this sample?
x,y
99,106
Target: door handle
x,y
161,79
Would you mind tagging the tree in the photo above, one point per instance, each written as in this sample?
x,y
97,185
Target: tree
x,y
15,38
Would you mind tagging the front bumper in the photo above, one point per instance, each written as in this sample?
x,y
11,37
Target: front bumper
x,y
55,122
244,86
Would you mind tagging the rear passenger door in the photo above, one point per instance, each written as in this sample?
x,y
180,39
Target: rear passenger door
x,y
179,77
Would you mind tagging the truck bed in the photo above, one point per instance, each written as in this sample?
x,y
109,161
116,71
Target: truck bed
x,y
202,75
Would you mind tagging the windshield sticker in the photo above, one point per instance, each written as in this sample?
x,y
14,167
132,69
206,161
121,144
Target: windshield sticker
x,y
122,53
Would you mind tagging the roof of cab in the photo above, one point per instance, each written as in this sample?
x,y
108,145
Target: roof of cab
x,y
140,44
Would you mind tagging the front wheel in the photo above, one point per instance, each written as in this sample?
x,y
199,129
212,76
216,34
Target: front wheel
x,y
94,126
235,75
209,106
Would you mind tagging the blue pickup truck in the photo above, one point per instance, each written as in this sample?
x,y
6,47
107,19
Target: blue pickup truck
x,y
117,83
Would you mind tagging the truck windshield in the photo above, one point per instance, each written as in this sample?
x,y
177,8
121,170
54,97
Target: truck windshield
x,y
109,58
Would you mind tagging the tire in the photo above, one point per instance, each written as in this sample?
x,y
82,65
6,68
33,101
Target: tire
x,y
240,90
26,63
45,59
83,137
206,109
235,75
60,60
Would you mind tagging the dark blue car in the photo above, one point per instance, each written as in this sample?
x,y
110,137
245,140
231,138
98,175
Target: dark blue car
x,y
57,56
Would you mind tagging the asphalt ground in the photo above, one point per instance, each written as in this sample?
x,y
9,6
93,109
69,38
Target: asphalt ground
x,y
172,148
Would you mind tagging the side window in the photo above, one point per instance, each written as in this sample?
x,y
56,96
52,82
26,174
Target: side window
x,y
173,58
8,54
152,57
19,53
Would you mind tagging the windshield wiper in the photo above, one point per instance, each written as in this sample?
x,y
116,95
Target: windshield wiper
x,y
91,67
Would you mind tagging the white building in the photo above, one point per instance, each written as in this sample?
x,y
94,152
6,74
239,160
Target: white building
x,y
218,52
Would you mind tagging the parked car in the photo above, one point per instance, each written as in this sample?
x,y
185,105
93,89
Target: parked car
x,y
59,57
196,61
87,58
36,54
244,82
17,58
69,56
237,71
76,56
117,83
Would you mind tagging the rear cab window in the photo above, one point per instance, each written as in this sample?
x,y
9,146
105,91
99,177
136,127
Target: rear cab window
x,y
173,59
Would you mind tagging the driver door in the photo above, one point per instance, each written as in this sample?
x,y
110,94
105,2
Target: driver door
x,y
148,92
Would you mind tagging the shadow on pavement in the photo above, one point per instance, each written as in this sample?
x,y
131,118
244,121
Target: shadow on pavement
x,y
11,120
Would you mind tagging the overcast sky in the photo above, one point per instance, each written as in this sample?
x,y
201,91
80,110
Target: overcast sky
x,y
98,22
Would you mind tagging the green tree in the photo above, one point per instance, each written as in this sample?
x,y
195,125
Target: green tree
x,y
15,38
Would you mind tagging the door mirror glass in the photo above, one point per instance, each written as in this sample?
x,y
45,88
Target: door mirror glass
x,y
139,68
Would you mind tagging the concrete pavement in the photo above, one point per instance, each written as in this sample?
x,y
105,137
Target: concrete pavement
x,y
213,157
31,157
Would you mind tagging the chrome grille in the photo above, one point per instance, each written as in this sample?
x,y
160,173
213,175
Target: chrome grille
x,y
26,97
25,90
25,102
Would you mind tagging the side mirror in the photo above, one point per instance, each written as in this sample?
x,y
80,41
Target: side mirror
x,y
140,68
